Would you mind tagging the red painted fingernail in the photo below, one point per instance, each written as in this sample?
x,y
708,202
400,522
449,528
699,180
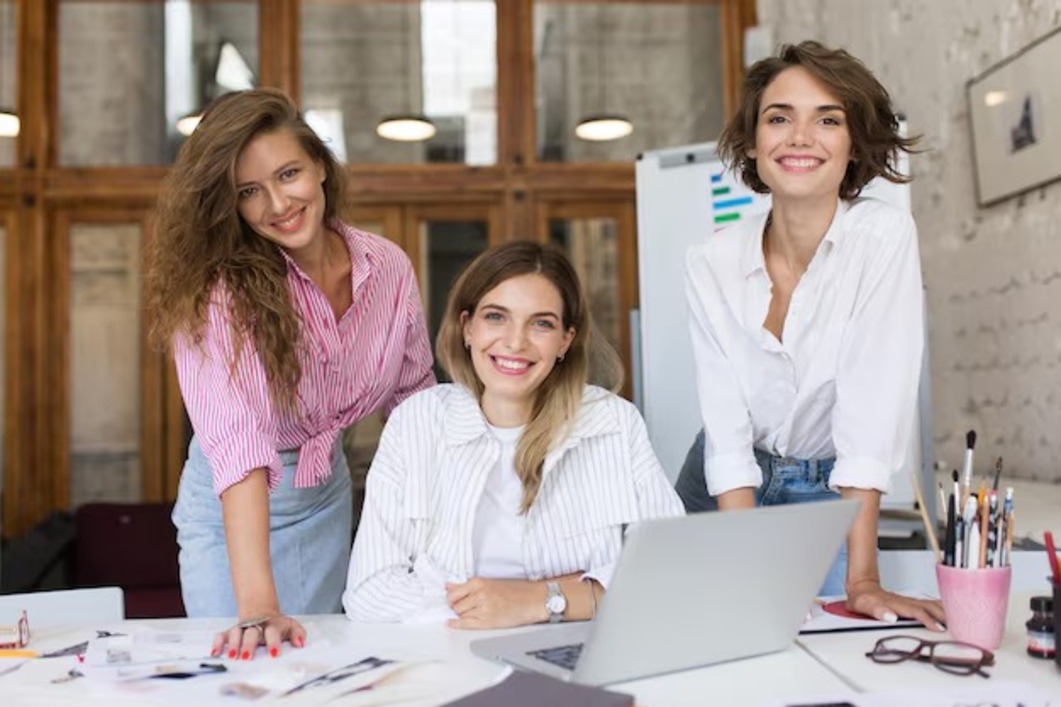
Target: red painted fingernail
x,y
246,655
274,651
232,653
298,641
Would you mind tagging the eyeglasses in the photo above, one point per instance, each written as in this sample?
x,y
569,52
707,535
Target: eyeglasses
x,y
949,656
15,636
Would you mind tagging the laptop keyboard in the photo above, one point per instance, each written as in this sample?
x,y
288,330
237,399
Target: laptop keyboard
x,y
564,656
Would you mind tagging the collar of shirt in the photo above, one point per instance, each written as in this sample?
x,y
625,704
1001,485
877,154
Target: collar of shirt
x,y
464,421
753,261
360,257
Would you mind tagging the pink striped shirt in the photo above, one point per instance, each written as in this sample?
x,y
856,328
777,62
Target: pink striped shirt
x,y
374,357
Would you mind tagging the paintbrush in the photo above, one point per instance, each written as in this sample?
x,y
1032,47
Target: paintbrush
x,y
967,469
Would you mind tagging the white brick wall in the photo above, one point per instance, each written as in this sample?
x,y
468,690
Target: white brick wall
x,y
992,274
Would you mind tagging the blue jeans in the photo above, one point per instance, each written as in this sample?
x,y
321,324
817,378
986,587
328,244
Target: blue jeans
x,y
785,480
309,539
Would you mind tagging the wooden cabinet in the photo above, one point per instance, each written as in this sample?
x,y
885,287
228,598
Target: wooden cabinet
x,y
90,411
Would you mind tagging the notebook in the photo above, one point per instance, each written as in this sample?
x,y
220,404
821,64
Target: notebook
x,y
692,591
522,689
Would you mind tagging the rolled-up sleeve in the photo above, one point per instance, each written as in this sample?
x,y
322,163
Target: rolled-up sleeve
x,y
880,366
729,457
229,408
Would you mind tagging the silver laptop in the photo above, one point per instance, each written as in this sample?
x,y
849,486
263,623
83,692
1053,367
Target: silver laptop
x,y
692,591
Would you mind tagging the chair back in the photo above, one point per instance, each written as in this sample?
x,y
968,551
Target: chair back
x,y
64,606
133,546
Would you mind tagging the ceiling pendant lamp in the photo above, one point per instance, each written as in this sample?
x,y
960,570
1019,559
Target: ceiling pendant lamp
x,y
187,125
231,73
605,125
409,126
9,123
406,128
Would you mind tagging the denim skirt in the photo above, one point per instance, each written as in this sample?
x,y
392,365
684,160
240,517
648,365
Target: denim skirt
x,y
785,480
309,539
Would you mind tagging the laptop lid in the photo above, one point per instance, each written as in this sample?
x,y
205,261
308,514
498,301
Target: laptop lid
x,y
695,590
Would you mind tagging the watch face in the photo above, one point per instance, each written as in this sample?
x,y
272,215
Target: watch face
x,y
556,604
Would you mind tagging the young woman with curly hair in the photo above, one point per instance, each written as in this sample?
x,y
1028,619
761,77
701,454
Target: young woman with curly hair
x,y
287,325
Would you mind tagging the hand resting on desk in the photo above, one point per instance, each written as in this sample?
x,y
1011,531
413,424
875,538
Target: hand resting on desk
x,y
243,639
867,597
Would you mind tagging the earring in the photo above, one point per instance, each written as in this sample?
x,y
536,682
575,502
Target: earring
x,y
560,358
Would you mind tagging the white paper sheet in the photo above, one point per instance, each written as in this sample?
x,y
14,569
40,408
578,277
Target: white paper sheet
x,y
996,694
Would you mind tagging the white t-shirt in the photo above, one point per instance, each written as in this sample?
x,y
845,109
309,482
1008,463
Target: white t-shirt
x,y
843,382
497,535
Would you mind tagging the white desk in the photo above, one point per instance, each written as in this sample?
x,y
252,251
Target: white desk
x,y
844,653
791,673
832,664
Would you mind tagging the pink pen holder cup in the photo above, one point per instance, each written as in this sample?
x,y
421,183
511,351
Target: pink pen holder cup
x,y
975,602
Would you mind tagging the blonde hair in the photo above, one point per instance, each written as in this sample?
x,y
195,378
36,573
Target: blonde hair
x,y
558,398
200,240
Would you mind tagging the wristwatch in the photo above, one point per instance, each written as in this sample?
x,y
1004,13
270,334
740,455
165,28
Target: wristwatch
x,y
555,602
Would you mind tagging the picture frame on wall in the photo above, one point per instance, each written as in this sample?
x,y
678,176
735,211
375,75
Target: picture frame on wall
x,y
1015,115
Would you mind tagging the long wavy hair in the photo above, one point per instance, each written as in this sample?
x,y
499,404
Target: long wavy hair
x,y
558,398
871,120
201,242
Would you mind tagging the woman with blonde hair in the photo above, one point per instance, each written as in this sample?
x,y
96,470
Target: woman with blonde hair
x,y
500,499
287,325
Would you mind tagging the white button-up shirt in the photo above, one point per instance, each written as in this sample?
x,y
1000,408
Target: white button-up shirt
x,y
427,479
843,382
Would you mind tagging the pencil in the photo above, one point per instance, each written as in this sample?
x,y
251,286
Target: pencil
x,y
983,532
992,530
952,532
1051,551
1009,537
17,653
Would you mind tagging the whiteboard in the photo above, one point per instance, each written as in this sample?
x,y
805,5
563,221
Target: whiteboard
x,y
684,195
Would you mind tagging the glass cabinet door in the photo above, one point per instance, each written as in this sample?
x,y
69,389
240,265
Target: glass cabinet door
x,y
130,70
657,64
443,241
8,80
366,60
105,360
599,240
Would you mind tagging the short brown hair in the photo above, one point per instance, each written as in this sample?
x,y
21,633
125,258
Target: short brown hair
x,y
559,397
873,124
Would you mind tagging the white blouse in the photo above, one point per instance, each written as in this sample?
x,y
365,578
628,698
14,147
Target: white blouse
x,y
843,382
427,479
497,534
